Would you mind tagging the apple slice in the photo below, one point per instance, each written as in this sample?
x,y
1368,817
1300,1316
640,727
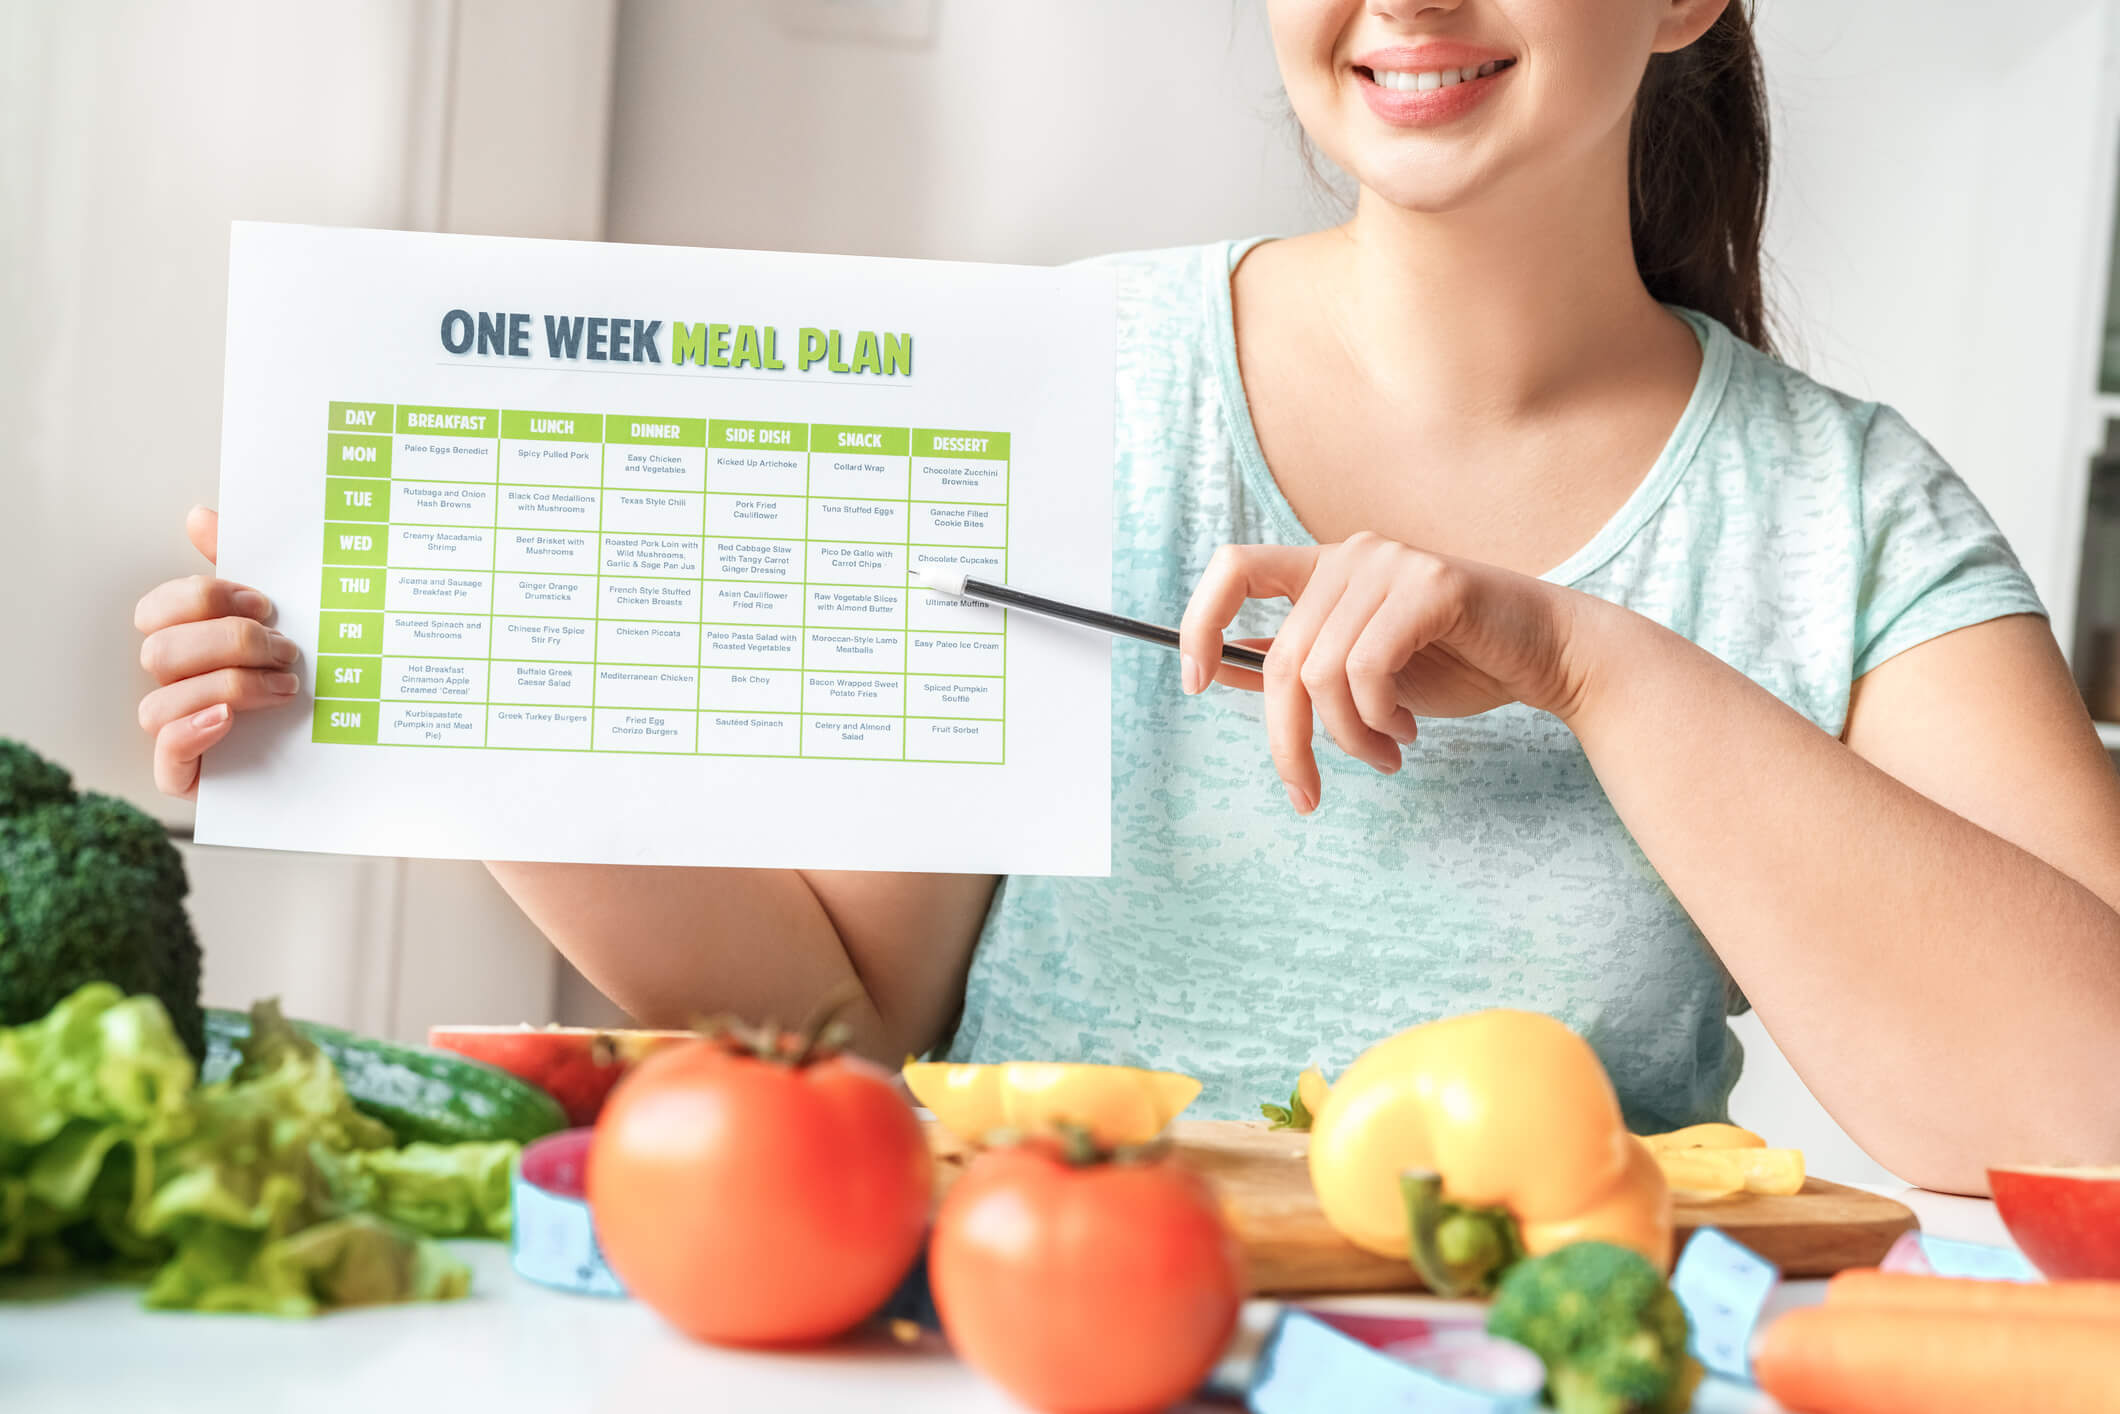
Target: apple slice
x,y
2067,1220
577,1066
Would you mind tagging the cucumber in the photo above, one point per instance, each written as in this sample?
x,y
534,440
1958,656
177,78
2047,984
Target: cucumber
x,y
421,1093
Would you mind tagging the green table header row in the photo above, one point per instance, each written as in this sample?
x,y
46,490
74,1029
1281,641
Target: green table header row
x,y
940,442
876,441
552,426
726,435
656,431
362,417
758,436
450,422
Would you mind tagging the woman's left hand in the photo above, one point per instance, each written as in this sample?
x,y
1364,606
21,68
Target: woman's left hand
x,y
1381,632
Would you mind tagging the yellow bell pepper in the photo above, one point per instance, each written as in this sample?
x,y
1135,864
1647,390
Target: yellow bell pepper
x,y
1462,1143
1117,1104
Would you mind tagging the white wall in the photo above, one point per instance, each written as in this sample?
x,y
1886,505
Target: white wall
x,y
1942,179
1023,132
130,135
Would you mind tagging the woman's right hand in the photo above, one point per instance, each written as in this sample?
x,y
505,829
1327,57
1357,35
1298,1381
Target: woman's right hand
x,y
209,647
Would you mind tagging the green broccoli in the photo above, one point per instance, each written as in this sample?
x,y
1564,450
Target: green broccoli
x,y
1610,1331
91,890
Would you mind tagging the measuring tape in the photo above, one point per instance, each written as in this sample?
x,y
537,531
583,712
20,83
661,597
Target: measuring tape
x,y
552,1241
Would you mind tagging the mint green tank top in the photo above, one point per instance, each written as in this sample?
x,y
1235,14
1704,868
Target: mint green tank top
x,y
1799,535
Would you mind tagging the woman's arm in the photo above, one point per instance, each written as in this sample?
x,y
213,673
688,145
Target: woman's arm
x,y
674,945
1924,915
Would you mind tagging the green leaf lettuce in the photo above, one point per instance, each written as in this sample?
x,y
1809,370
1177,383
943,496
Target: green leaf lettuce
x,y
266,1191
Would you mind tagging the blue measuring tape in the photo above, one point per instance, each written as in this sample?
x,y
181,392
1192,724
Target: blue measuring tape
x,y
552,1242
1308,1365
1724,1286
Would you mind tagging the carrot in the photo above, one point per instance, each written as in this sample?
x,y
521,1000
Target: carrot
x,y
1862,1360
1907,1291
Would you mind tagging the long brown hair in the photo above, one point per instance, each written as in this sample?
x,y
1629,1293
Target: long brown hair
x,y
1697,177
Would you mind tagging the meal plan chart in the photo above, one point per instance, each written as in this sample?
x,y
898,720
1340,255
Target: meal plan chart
x,y
569,581
602,554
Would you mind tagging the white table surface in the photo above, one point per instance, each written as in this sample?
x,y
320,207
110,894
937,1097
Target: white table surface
x,y
517,1347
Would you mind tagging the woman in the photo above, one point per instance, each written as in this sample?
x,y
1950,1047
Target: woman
x,y
1726,687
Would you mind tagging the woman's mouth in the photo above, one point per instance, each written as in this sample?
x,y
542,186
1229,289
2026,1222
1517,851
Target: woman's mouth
x,y
1418,92
1408,80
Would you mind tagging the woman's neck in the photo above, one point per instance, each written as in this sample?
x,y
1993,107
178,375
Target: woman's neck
x,y
1505,306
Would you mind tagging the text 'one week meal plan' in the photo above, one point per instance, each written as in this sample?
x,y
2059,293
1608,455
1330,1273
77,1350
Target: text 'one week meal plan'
x,y
601,553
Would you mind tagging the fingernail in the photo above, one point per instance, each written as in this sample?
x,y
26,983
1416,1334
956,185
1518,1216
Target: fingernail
x,y
212,716
251,604
283,648
1300,801
282,683
1189,672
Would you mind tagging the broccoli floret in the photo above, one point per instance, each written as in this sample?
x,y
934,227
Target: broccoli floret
x,y
1611,1332
91,890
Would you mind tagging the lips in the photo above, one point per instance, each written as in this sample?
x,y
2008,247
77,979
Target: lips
x,y
1430,84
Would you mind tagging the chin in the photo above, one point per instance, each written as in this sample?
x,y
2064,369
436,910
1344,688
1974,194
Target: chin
x,y
1425,188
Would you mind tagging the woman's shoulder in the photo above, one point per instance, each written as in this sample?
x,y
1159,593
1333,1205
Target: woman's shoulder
x,y
1777,414
1175,353
1830,478
1162,271
1168,296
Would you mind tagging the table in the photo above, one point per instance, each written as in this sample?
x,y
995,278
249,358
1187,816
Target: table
x,y
519,1348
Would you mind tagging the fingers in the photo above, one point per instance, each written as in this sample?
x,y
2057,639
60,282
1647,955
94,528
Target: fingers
x,y
239,688
1409,619
202,526
187,650
207,645
195,597
1288,705
1326,678
1235,574
180,744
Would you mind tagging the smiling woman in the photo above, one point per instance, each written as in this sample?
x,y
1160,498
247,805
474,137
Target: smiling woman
x,y
1658,679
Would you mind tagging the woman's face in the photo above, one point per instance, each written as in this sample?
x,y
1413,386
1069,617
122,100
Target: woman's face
x,y
1430,104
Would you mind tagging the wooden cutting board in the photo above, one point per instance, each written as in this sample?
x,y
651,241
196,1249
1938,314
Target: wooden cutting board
x,y
1264,1181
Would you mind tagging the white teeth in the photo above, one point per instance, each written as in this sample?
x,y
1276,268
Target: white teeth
x,y
1420,82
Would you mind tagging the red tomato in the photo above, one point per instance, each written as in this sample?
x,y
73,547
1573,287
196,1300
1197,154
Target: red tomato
x,y
1100,1289
752,1202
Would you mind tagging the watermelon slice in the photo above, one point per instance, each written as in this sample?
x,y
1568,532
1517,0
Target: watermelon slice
x,y
575,1065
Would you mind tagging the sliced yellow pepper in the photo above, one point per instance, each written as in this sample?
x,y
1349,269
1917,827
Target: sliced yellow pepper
x,y
1458,1142
1701,1173
1312,1088
1116,1104
1715,1173
1303,1103
1704,1136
